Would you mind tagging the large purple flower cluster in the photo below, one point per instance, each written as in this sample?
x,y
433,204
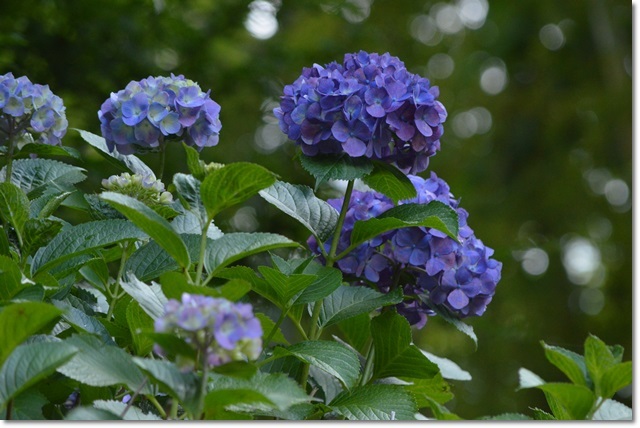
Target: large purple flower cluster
x,y
223,330
156,109
369,105
30,107
431,267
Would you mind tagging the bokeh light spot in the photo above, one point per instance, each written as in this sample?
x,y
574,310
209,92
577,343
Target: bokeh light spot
x,y
493,78
473,13
535,261
261,21
581,259
551,37
440,66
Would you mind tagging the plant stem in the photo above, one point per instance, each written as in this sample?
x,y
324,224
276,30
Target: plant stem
x,y
157,405
203,248
11,134
133,397
163,156
268,338
174,409
114,294
203,386
366,373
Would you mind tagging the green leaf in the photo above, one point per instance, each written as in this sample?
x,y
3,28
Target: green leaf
x,y
139,322
150,297
82,321
47,150
451,319
285,287
615,378
528,379
390,181
180,385
14,207
612,410
394,354
27,406
235,246
507,417
349,301
45,205
326,282
267,325
174,284
85,413
194,163
356,331
188,190
18,321
30,363
448,368
232,184
132,413
97,364
188,224
375,403
426,391
299,202
568,401
570,363
34,176
153,224
123,162
541,415
336,167
83,238
435,214
39,232
331,357
10,278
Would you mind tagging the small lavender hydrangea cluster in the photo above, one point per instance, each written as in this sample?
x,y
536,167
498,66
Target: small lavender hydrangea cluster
x,y
223,330
368,106
147,113
431,267
144,188
30,107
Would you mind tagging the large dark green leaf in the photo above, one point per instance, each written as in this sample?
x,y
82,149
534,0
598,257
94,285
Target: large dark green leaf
x,y
336,167
285,287
327,280
349,301
375,403
395,354
299,202
152,223
390,181
568,401
83,238
14,207
232,184
10,277
188,190
570,363
34,176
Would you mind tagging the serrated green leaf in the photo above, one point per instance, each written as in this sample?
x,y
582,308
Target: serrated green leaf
x,y
174,284
349,301
195,165
285,287
394,354
30,363
268,325
356,331
570,363
14,207
541,415
326,282
299,202
129,163
18,321
27,406
132,412
569,401
39,232
188,190
390,181
139,322
10,278
33,176
97,364
152,223
426,391
435,215
82,321
83,238
336,167
331,357
46,150
375,403
45,205
180,385
615,378
528,379
235,246
612,410
150,297
188,224
448,368
232,184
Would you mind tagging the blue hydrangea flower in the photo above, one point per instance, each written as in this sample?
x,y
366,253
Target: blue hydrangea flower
x,y
225,331
369,105
432,268
30,107
147,113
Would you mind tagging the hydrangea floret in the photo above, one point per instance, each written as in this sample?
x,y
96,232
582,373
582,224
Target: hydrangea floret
x,y
146,114
370,105
432,268
145,188
27,107
223,331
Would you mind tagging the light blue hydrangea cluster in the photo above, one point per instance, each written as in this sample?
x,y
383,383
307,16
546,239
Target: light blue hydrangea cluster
x,y
369,105
225,331
30,107
147,113
145,188
431,267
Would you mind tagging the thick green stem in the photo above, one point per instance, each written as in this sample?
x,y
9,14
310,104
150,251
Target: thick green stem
x,y
203,249
115,293
269,336
157,405
203,385
368,366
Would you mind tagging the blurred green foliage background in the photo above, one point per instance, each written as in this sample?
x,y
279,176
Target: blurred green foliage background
x,y
537,144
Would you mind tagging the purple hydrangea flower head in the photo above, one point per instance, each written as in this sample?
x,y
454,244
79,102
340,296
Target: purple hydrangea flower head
x,y
225,331
157,109
433,269
27,107
369,105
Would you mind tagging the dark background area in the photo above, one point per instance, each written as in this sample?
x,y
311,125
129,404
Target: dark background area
x,y
537,143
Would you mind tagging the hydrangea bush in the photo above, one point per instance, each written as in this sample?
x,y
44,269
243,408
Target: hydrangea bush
x,y
149,311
